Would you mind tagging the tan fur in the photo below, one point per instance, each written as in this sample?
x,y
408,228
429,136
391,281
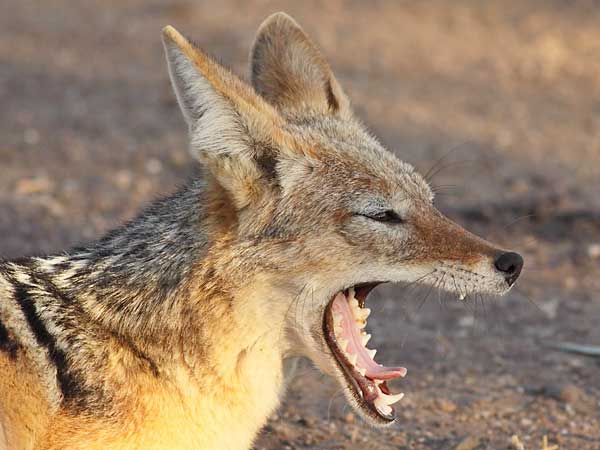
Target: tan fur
x,y
172,332
180,414
24,411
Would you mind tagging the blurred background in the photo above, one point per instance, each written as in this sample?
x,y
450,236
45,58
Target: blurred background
x,y
500,98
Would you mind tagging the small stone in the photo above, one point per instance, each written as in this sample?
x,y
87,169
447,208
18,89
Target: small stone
x,y
568,393
550,308
310,441
516,443
469,443
31,136
569,410
153,166
34,185
302,421
466,321
124,179
446,405
525,422
570,282
308,421
593,251
571,394
349,418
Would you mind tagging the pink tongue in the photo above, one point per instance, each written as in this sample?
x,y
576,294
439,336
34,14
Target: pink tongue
x,y
351,333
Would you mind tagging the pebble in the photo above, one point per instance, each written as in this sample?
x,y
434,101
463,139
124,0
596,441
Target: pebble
x,y
593,251
525,422
446,405
571,394
570,282
469,443
154,166
34,185
567,393
31,136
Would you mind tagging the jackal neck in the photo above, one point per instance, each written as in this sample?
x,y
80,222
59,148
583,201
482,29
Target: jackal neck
x,y
171,306
134,280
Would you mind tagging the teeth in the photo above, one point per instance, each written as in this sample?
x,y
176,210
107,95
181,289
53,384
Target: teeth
x,y
383,407
371,353
365,338
383,401
360,323
343,343
337,318
365,313
352,358
462,296
351,294
391,399
361,370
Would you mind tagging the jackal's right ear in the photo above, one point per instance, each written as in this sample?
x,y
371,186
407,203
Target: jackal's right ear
x,y
290,72
226,119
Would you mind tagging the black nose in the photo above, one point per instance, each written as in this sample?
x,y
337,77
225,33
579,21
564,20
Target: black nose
x,y
510,264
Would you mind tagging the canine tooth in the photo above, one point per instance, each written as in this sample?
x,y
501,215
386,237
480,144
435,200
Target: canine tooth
x,y
351,293
462,296
364,338
352,358
382,406
371,352
391,399
337,318
361,371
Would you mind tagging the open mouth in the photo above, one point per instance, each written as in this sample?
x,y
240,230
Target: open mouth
x,y
344,325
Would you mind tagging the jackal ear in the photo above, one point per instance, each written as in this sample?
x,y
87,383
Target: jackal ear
x,y
231,127
290,72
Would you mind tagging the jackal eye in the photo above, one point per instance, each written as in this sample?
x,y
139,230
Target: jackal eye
x,y
387,216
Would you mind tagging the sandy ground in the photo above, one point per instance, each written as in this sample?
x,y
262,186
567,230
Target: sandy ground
x,y
509,91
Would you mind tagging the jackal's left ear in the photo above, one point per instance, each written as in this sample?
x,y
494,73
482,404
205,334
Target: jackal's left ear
x,y
231,127
290,72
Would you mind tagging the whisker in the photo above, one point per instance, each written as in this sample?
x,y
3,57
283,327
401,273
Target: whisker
x,y
522,293
331,400
451,164
518,219
429,174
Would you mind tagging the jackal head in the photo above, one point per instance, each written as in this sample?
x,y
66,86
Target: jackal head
x,y
313,205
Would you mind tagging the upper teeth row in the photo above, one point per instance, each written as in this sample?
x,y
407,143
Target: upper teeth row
x,y
383,401
360,316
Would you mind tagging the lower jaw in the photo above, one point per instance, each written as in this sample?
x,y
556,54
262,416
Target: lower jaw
x,y
362,389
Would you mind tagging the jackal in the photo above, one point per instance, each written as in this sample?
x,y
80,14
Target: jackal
x,y
171,331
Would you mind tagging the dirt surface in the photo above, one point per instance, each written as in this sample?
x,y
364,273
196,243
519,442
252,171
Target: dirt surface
x,y
508,91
